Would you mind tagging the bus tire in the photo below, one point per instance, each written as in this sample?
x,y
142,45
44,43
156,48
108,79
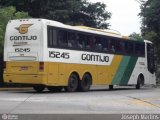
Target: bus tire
x,y
110,87
72,83
54,88
39,88
140,82
85,84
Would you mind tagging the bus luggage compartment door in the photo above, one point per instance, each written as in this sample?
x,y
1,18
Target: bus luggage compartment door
x,y
18,67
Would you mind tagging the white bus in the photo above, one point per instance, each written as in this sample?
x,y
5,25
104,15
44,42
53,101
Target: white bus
x,y
49,54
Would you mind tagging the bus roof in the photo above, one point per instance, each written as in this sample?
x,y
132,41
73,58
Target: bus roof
x,y
82,28
77,28
100,30
61,25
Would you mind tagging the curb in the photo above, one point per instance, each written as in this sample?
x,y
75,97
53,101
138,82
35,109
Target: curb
x,y
15,89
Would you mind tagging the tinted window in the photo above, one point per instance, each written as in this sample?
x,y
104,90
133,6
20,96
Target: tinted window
x,y
150,58
122,46
72,40
112,45
62,38
98,42
101,44
130,49
142,49
118,46
52,37
84,41
139,49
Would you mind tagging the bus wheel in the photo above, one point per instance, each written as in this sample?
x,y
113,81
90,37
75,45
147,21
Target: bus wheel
x,y
110,87
39,88
54,88
139,82
85,84
72,83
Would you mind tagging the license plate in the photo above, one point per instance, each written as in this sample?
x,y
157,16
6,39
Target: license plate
x,y
24,68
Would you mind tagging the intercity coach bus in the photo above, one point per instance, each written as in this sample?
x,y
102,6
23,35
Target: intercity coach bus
x,y
49,54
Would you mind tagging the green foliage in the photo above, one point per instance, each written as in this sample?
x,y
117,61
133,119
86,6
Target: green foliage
x,y
96,15
150,36
6,14
150,13
136,36
74,12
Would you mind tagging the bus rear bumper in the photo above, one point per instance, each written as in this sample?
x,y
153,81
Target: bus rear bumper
x,y
25,79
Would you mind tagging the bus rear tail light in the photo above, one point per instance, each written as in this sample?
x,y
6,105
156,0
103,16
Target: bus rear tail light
x,y
4,65
41,66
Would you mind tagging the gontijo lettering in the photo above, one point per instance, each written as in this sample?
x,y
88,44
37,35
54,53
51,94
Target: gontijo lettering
x,y
97,58
19,38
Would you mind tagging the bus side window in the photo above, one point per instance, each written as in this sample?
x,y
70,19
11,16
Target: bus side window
x,y
91,42
105,44
71,40
137,49
122,44
84,41
80,41
101,44
142,49
88,42
98,44
62,38
117,46
126,47
112,44
51,36
130,48
150,58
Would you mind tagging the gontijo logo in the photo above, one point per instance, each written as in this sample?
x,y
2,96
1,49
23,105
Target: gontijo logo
x,y
23,28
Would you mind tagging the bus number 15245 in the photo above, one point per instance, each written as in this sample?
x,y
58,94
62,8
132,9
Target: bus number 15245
x,y
22,49
54,54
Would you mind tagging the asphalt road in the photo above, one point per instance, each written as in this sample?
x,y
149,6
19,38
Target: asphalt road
x,y
97,101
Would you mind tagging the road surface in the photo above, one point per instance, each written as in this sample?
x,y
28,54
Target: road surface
x,y
97,101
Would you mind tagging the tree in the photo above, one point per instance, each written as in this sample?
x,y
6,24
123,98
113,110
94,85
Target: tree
x,y
8,13
150,13
73,12
136,36
96,16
